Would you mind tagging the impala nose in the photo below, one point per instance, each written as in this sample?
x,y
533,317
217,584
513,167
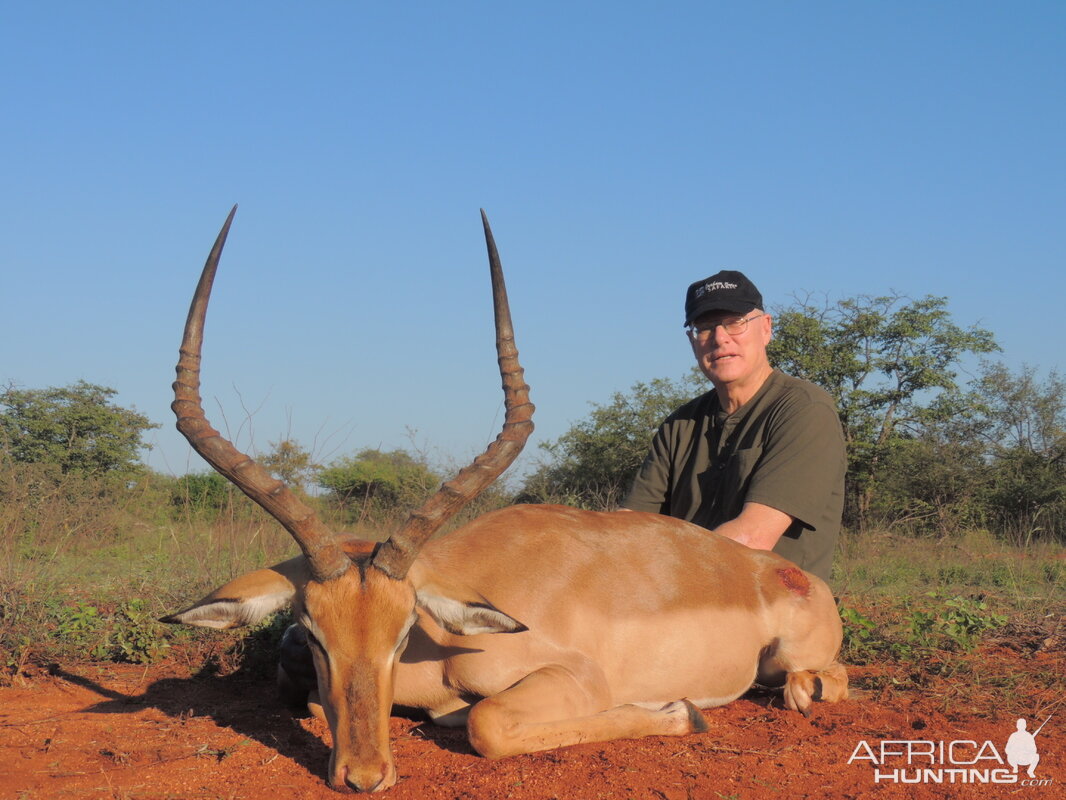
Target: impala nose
x,y
373,778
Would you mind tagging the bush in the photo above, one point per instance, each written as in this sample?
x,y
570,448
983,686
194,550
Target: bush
x,y
202,492
378,486
593,463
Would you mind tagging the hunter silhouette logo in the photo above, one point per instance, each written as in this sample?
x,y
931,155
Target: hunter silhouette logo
x,y
1021,748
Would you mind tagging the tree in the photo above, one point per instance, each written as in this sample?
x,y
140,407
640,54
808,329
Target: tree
x,y
593,463
1023,428
889,362
288,461
76,428
932,483
1023,412
376,483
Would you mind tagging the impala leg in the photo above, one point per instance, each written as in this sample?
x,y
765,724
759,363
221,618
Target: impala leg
x,y
803,677
802,687
557,706
803,657
799,669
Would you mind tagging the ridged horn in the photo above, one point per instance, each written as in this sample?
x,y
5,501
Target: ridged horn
x,y
395,556
319,545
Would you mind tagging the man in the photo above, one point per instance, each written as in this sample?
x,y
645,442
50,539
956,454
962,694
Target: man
x,y
760,458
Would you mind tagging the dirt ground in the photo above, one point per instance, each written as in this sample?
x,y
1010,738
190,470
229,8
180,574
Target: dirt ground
x,y
113,731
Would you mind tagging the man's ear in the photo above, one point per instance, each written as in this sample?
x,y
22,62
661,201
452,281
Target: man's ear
x,y
246,600
465,617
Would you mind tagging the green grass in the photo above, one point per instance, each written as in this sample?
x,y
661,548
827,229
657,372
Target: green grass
x,y
911,592
86,569
83,580
877,566
917,612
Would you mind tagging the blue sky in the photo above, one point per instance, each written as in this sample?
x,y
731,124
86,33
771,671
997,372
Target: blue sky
x,y
622,150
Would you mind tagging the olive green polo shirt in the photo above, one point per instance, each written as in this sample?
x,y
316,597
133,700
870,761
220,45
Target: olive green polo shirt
x,y
783,448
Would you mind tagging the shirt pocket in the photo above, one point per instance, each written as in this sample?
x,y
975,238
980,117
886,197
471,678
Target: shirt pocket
x,y
737,470
724,486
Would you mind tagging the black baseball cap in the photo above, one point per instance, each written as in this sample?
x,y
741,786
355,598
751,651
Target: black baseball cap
x,y
727,290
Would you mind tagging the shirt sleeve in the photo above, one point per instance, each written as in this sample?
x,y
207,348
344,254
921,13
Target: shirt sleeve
x,y
650,490
802,463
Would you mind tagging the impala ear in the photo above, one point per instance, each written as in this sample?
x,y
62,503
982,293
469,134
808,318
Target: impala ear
x,y
466,617
245,600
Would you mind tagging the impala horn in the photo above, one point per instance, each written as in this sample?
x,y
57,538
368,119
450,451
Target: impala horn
x,y
325,556
395,556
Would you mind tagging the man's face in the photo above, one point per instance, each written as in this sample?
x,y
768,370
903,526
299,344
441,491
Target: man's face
x,y
731,358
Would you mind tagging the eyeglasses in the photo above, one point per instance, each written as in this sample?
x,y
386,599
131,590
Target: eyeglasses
x,y
734,326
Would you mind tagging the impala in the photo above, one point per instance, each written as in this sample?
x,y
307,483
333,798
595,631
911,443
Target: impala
x,y
535,626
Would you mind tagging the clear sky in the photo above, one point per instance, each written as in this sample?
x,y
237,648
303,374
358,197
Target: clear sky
x,y
622,150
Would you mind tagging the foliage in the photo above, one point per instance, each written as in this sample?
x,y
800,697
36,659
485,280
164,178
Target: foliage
x,y
375,484
290,462
937,622
860,636
593,463
211,494
77,428
997,460
137,636
890,364
1022,411
84,627
931,484
131,633
202,491
43,510
959,622
1024,432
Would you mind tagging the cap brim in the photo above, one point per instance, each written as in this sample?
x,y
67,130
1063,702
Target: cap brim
x,y
734,307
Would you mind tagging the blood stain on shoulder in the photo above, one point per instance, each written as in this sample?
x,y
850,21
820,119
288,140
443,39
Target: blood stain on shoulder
x,y
795,580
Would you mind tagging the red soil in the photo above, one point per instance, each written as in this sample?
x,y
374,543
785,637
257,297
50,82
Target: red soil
x,y
110,731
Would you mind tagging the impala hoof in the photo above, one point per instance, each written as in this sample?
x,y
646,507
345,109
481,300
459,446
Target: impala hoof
x,y
696,718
